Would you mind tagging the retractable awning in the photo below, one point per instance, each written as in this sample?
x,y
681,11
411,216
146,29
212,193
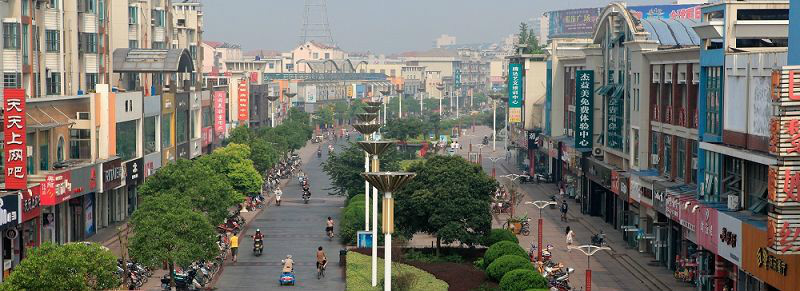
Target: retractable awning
x,y
605,89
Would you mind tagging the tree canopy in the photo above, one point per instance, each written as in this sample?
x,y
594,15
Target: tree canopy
x,y
234,162
449,198
69,267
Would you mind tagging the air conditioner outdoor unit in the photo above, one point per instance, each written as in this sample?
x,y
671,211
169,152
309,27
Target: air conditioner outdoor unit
x,y
597,152
733,202
694,163
654,159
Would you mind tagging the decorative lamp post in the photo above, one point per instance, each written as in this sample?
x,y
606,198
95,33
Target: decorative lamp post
x,y
589,251
494,97
366,130
388,182
366,118
541,205
512,178
480,151
440,87
385,95
421,91
375,149
494,161
399,91
288,94
371,109
272,99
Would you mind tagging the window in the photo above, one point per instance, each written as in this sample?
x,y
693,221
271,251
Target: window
x,y
392,72
133,15
159,45
25,8
667,155
12,80
11,35
60,149
53,4
91,81
89,42
711,177
327,56
193,132
713,86
54,83
654,146
181,129
193,51
90,6
159,16
271,65
635,144
693,149
166,131
133,43
150,124
44,150
315,56
24,44
79,144
52,40
208,117
680,167
126,140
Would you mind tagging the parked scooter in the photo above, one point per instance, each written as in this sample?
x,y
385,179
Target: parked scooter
x,y
599,239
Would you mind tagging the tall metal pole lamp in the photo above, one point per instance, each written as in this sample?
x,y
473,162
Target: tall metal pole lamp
x,y
421,91
378,105
272,99
440,87
388,182
385,95
366,128
288,94
494,97
399,91
589,251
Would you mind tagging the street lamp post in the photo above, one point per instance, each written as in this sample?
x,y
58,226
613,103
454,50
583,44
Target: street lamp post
x,y
272,99
589,251
366,127
421,91
512,178
288,94
541,205
494,160
400,101
494,97
388,182
385,94
440,87
480,151
375,149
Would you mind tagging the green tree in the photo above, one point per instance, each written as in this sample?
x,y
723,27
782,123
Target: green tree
x,y
167,229
523,33
240,135
207,189
449,199
405,128
344,168
264,155
234,162
68,267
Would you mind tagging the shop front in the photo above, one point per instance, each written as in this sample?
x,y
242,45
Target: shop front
x,y
182,126
10,217
600,199
619,186
662,242
168,131
134,176
684,209
65,197
766,270
111,200
572,170
30,235
729,249
707,232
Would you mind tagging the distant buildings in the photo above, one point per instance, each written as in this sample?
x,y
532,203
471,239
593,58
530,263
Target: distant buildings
x,y
444,40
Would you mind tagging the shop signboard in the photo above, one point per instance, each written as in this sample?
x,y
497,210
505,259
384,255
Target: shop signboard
x,y
9,210
584,100
219,114
660,200
673,207
31,203
533,139
15,146
681,11
206,135
780,271
707,228
88,212
729,244
572,22
243,94
636,191
56,188
311,94
515,97
689,210
134,171
111,174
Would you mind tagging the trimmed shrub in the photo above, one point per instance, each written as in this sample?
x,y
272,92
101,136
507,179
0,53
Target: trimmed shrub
x,y
499,234
351,222
502,248
521,280
505,264
479,264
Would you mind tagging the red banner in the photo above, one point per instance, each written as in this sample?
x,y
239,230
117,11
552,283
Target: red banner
x,y
244,99
16,167
31,201
56,189
253,77
219,114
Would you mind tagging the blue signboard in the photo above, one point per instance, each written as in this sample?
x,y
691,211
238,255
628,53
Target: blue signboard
x,y
580,22
515,92
364,239
458,78
584,100
360,92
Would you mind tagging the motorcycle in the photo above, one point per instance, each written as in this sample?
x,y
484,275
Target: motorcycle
x,y
306,197
553,199
599,239
277,199
258,247
319,153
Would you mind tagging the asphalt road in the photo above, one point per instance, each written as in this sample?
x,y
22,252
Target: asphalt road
x,y
295,229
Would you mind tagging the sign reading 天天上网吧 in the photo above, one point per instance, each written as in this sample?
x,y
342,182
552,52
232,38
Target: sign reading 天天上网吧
x,y
515,97
244,100
16,163
584,102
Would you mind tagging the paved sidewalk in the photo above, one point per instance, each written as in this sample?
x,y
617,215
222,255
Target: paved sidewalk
x,y
622,268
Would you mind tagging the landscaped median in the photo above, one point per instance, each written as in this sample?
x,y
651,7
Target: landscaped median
x,y
359,276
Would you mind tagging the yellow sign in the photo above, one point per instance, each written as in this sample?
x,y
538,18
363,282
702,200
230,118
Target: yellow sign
x,y
515,115
350,91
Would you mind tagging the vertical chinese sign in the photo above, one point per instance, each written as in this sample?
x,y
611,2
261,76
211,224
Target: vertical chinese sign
x,y
515,93
219,114
16,155
584,100
783,191
244,99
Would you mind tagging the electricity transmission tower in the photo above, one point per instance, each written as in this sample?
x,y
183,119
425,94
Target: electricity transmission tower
x,y
315,23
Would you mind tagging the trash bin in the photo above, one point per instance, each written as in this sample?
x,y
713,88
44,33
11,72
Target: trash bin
x,y
342,257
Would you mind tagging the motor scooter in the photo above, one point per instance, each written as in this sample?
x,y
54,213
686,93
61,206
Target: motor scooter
x,y
258,247
278,199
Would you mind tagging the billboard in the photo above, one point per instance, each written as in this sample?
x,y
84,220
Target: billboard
x,y
244,100
311,94
515,97
580,22
584,100
219,114
16,163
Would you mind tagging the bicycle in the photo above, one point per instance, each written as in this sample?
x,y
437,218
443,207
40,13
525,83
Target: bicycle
x,y
321,269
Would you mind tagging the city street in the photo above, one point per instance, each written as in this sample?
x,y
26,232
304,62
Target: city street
x,y
295,229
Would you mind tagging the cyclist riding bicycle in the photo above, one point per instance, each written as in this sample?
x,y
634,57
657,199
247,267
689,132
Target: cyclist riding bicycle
x,y
322,261
329,227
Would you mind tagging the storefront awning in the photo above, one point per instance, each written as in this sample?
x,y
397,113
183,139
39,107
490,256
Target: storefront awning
x,y
605,89
618,91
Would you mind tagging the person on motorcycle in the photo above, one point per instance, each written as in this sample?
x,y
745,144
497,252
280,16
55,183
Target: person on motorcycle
x,y
258,235
288,264
278,194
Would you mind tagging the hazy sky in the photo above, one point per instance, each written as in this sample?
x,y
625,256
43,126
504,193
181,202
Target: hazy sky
x,y
378,26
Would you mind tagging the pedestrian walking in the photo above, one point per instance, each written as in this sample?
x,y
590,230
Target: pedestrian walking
x,y
564,208
234,246
570,236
